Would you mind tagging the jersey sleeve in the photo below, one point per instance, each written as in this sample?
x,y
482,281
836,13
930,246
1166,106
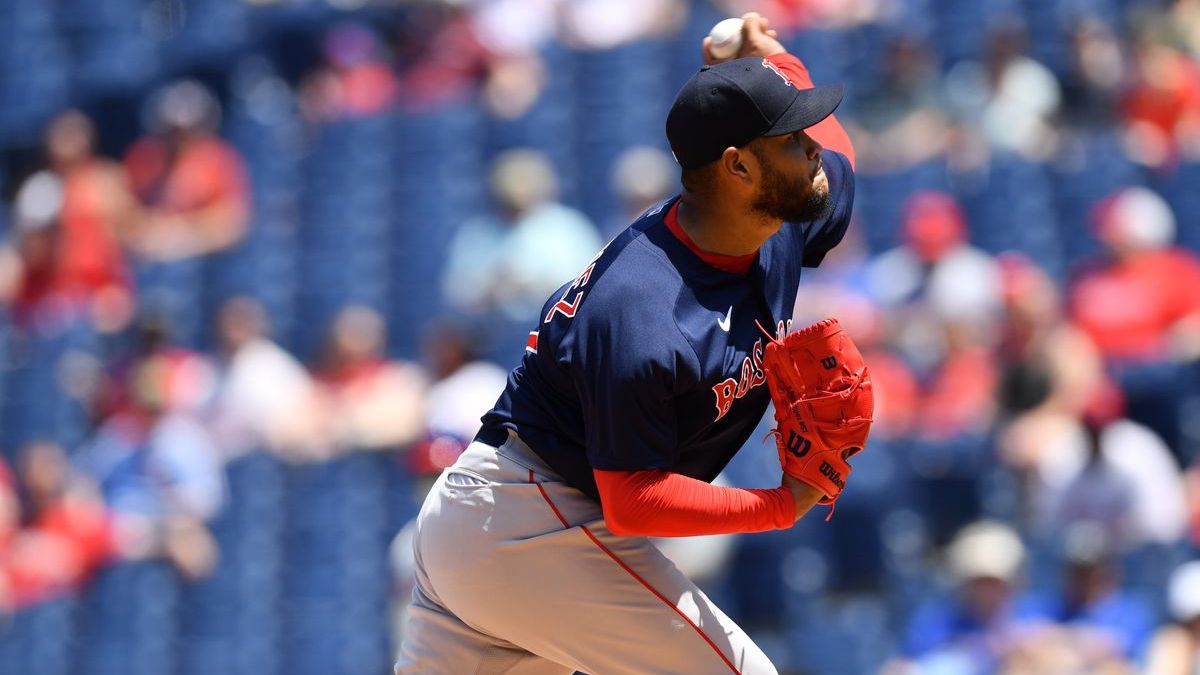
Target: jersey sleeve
x,y
822,235
665,504
625,374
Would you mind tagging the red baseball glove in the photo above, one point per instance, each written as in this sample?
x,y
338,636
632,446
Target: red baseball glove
x,y
823,404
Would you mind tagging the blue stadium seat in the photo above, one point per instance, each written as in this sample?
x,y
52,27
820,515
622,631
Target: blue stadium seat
x,y
109,49
1093,166
1048,23
210,31
439,148
348,212
844,636
549,126
946,482
857,543
36,375
337,582
128,620
1178,187
683,56
622,106
958,25
907,541
38,640
232,622
263,265
1010,207
879,199
174,288
34,71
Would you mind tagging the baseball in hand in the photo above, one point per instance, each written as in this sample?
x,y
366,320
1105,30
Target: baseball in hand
x,y
726,39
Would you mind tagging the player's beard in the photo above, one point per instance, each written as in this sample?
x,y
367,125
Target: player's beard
x,y
788,198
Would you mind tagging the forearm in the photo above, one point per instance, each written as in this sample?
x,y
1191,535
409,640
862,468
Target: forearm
x,y
828,132
665,504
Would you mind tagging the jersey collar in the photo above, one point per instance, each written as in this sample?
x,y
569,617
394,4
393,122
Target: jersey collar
x,y
734,264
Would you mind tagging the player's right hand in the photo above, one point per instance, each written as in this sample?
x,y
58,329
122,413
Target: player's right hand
x,y
758,39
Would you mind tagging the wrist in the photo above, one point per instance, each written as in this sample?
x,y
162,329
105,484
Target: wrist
x,y
804,496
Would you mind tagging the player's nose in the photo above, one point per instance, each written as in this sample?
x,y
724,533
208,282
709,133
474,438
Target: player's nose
x,y
813,149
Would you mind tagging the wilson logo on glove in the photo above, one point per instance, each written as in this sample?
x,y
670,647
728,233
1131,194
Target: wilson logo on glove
x,y
798,445
832,474
831,404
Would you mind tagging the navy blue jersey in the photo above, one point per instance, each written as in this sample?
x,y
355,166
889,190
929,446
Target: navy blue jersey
x,y
652,358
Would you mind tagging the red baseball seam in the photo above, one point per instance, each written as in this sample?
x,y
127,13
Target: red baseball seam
x,y
635,575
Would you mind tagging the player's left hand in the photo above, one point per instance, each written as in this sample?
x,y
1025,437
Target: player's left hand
x,y
824,402
758,39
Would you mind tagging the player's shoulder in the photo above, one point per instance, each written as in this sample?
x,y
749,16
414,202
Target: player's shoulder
x,y
633,284
618,315
633,266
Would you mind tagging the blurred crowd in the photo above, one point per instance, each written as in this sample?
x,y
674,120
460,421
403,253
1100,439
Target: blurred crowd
x,y
324,230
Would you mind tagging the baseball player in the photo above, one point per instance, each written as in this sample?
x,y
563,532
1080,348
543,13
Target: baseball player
x,y
643,376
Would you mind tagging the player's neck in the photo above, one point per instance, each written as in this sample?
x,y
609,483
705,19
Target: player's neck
x,y
719,228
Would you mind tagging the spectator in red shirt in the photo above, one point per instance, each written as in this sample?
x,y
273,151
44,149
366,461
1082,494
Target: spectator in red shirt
x,y
1140,304
441,55
68,218
354,81
188,378
10,523
1141,301
66,533
959,395
1162,105
192,184
373,402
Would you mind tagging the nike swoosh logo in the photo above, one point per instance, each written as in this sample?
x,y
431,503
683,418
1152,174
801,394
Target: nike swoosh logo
x,y
724,324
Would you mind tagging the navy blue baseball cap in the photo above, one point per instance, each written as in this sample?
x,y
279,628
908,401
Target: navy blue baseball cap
x,y
735,102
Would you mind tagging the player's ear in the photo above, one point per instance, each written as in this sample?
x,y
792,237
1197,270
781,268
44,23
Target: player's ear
x,y
734,164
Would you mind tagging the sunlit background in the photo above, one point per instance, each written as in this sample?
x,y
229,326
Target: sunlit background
x,y
264,264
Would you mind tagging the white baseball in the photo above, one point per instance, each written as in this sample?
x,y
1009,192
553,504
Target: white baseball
x,y
726,39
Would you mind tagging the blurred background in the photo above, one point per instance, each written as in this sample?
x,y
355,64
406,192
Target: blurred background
x,y
264,263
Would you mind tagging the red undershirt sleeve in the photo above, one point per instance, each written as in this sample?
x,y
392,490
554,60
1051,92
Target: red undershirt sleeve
x,y
828,132
659,503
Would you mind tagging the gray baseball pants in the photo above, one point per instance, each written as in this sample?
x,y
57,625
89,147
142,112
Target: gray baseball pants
x,y
517,574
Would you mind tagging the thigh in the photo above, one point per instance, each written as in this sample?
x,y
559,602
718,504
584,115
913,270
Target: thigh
x,y
438,643
611,605
530,563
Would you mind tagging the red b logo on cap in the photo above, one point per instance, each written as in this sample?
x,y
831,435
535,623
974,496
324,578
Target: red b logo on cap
x,y
777,71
